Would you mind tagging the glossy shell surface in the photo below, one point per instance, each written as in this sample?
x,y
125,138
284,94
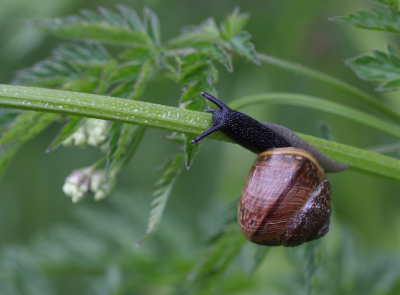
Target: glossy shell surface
x,y
285,200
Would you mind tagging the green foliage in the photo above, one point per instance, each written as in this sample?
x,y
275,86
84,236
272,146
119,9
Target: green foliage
x,y
340,269
377,20
381,67
391,3
106,27
162,190
100,248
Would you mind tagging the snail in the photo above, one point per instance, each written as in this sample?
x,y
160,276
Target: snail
x,y
286,198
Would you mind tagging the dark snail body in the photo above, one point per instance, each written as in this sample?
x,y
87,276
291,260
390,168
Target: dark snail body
x,y
286,197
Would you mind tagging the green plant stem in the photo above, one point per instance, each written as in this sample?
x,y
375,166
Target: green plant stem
x,y
332,82
307,101
171,119
106,108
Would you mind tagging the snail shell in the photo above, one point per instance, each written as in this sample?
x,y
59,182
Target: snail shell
x,y
286,197
285,200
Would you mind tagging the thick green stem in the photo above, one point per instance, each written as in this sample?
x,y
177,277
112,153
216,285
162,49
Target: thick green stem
x,y
106,108
171,119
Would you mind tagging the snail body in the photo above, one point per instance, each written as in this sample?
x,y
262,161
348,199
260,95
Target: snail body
x,y
286,197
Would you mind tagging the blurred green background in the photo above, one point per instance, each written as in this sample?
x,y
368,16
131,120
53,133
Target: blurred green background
x,y
32,202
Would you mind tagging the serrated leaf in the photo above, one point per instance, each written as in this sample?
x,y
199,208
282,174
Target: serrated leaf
x,y
207,31
382,67
190,150
131,18
145,73
152,25
241,44
162,190
106,27
113,140
48,73
191,98
25,126
123,90
83,53
195,66
126,72
217,52
73,123
129,139
137,53
233,23
391,3
377,20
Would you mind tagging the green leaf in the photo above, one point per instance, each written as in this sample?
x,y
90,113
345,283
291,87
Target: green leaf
x,y
25,126
104,81
105,27
131,18
115,134
137,53
340,110
381,67
241,44
190,150
152,25
233,23
207,31
123,90
391,3
196,66
122,146
73,123
126,72
221,253
83,53
377,20
139,86
217,52
162,191
48,73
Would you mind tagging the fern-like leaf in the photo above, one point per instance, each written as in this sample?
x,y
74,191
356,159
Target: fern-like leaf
x,y
105,26
162,190
382,67
378,20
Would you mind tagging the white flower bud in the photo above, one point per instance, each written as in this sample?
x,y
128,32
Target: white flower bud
x,y
77,184
78,138
97,180
97,131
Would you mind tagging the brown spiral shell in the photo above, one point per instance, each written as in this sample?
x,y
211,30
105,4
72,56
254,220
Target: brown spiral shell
x,y
285,200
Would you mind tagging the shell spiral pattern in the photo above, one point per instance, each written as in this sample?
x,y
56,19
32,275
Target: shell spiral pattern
x,y
285,200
